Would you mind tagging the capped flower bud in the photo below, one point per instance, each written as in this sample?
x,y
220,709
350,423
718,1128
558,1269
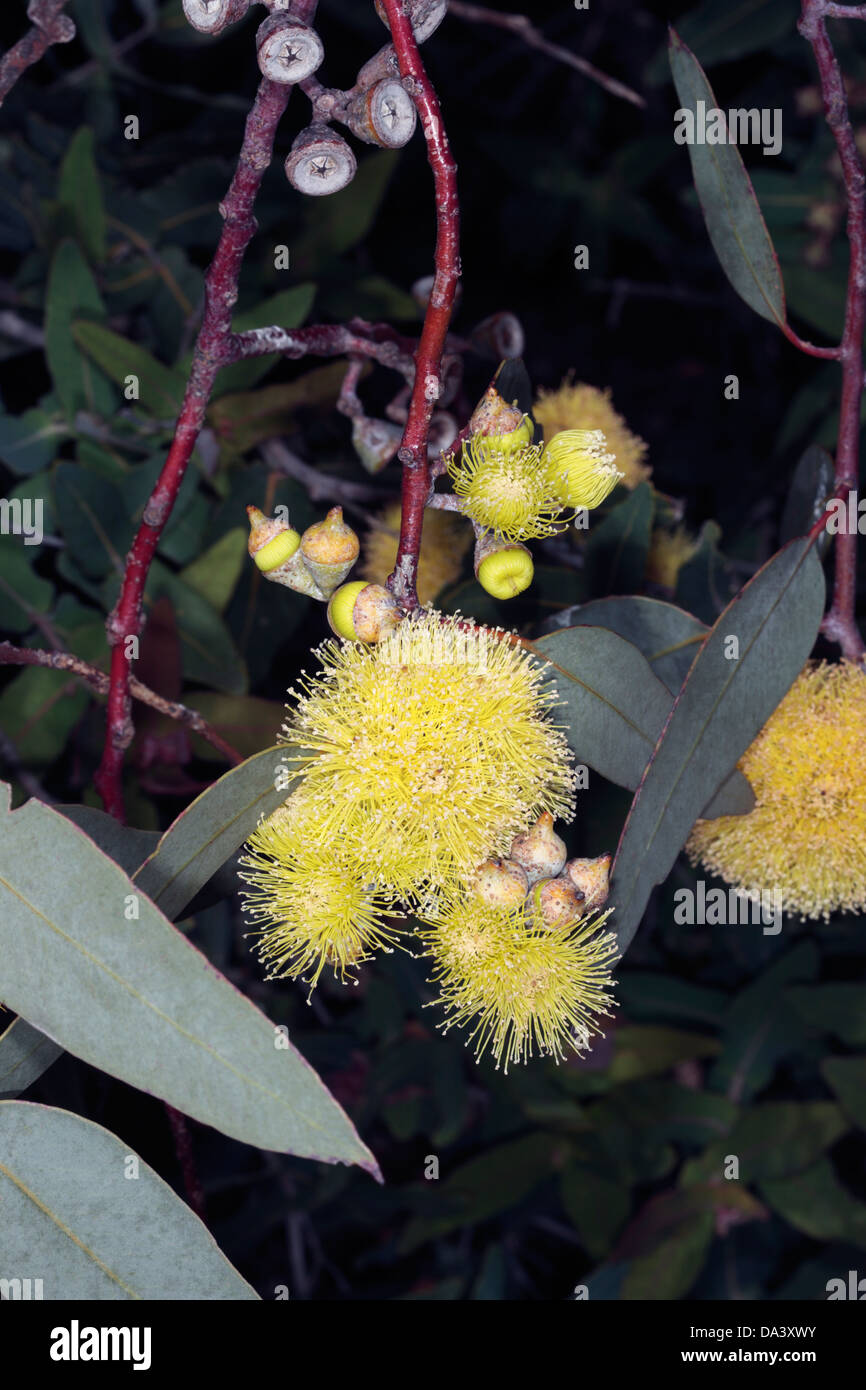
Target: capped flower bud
x,y
502,567
383,115
493,415
539,851
554,904
426,16
330,549
320,161
275,548
592,878
363,612
287,49
376,441
500,883
212,16
271,542
579,471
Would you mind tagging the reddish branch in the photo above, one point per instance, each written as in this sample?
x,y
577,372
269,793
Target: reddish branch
x,y
99,682
428,358
221,282
48,26
839,623
523,27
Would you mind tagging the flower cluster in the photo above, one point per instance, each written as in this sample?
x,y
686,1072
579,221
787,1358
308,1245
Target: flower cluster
x,y
417,760
806,835
532,490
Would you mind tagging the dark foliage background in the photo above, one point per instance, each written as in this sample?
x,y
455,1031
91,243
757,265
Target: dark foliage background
x,y
605,1172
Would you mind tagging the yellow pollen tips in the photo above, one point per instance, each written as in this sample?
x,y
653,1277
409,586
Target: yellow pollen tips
x,y
579,470
277,551
507,572
805,838
579,406
341,608
507,491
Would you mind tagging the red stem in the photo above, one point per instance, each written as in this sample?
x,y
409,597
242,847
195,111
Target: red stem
x,y
428,358
210,353
839,623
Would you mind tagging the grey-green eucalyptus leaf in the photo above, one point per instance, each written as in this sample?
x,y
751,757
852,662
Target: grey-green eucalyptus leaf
x,y
91,1220
92,963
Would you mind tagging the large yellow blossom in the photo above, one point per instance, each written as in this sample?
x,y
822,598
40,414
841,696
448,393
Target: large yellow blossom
x,y
519,989
444,542
425,754
806,835
310,904
578,406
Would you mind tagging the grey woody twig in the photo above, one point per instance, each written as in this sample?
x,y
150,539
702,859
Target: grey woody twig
x,y
99,682
523,27
49,25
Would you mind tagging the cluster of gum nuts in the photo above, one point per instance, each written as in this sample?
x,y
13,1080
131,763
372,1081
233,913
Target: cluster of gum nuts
x,y
377,109
554,892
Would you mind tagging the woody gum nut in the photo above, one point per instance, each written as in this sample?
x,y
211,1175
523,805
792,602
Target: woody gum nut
x,y
212,16
499,336
383,115
320,162
554,903
330,549
592,878
426,16
288,50
500,883
539,851
376,442
443,432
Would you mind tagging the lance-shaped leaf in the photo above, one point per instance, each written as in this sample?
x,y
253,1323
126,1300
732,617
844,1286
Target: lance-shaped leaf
x,y
723,705
731,212
615,709
666,635
91,1220
25,1054
92,963
211,828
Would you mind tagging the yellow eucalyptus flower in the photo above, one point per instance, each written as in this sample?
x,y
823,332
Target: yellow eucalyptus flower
x,y
311,906
427,753
578,406
806,836
519,990
580,471
506,490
